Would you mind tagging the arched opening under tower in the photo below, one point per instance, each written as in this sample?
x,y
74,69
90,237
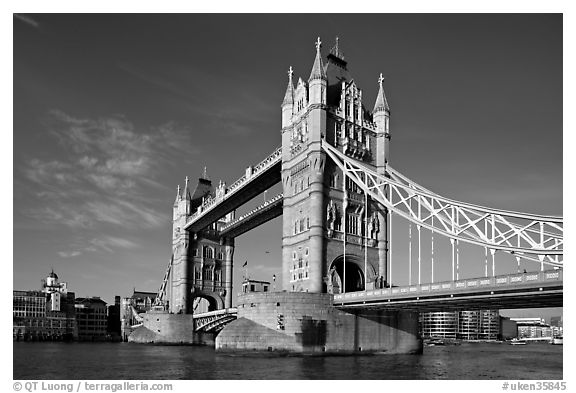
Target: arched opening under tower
x,y
202,302
348,279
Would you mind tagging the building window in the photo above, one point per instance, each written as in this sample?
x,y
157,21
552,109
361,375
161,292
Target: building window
x,y
207,274
352,224
334,180
208,252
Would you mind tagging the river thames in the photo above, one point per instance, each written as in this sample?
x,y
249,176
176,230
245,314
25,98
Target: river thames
x,y
68,361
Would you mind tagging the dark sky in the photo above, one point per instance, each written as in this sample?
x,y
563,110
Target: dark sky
x,y
111,112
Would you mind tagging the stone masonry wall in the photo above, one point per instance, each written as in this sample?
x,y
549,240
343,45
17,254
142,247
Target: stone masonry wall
x,y
307,322
163,328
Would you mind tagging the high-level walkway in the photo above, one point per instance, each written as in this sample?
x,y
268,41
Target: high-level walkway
x,y
256,180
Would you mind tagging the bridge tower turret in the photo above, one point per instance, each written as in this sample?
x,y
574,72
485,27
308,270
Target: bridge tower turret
x,y
303,180
381,117
180,243
288,103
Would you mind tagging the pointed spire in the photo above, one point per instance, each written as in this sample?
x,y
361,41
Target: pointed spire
x,y
205,174
177,195
289,96
336,50
186,192
381,101
318,67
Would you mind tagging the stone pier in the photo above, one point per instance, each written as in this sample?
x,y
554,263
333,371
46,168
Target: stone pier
x,y
304,322
165,328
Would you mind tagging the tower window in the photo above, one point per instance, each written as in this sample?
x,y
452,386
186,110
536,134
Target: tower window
x,y
208,252
208,274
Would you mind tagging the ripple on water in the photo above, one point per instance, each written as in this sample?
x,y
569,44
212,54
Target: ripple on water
x,y
133,361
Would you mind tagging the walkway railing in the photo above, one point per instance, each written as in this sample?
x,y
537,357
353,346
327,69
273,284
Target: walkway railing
x,y
223,311
214,320
508,281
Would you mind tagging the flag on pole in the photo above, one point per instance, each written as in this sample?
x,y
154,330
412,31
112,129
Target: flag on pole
x,y
245,263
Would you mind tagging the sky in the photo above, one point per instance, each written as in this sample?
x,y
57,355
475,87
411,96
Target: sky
x,y
112,111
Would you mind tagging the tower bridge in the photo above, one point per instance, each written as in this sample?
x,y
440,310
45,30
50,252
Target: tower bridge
x,y
340,200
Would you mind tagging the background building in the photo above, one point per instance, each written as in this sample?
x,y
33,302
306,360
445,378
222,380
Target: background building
x,y
29,315
439,324
130,307
465,325
91,318
557,325
508,329
533,328
249,285
113,325
47,314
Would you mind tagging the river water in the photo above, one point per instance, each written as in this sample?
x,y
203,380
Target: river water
x,y
118,361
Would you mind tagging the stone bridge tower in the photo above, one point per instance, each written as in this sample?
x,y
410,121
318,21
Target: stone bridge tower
x,y
321,205
202,262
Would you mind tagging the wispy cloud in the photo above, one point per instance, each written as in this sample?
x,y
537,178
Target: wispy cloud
x,y
28,20
96,244
108,243
69,254
104,175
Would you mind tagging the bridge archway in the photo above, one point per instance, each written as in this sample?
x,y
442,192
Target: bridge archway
x,y
207,300
355,278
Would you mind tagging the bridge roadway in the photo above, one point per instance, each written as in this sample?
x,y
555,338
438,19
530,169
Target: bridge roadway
x,y
523,290
256,180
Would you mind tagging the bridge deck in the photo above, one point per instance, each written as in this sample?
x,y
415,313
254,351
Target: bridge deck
x,y
524,290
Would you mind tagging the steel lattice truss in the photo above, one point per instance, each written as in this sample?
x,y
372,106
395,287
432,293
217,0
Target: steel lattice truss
x,y
528,236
